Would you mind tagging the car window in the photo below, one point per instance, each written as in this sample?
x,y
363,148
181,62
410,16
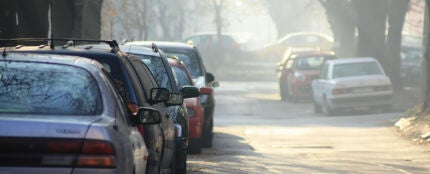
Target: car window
x,y
181,76
310,63
356,69
40,88
157,68
191,62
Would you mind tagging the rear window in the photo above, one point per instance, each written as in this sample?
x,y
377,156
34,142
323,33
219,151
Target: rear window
x,y
356,69
40,88
311,63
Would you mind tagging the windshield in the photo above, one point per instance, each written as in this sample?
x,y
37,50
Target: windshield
x,y
356,69
191,62
40,88
181,76
156,66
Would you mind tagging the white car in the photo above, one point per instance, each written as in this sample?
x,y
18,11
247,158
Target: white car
x,y
352,83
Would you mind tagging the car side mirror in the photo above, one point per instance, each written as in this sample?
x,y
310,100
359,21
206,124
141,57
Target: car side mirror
x,y
159,95
175,99
148,115
209,77
206,91
190,91
214,84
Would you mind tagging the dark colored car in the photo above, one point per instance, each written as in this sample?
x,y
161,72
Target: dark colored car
x,y
63,114
194,62
194,108
160,69
138,89
297,72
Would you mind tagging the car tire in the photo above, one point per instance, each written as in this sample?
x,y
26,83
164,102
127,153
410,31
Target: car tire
x,y
180,164
195,146
283,91
327,109
317,108
207,135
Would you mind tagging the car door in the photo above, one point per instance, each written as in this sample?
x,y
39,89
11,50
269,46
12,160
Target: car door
x,y
319,85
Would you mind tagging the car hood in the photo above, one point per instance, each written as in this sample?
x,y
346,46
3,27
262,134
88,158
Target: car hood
x,y
359,81
46,126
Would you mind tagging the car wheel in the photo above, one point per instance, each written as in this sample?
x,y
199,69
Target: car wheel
x,y
195,146
327,109
207,135
317,108
180,163
283,91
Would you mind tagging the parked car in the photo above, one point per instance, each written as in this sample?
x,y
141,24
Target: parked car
x,y
194,62
300,39
298,72
357,83
138,89
282,69
233,47
194,108
62,114
160,69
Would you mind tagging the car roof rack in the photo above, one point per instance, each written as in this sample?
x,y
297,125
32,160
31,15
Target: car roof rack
x,y
69,42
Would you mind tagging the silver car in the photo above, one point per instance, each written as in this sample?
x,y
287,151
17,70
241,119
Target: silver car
x,y
63,115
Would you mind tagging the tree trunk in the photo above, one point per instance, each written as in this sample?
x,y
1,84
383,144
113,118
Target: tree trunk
x,y
218,21
371,24
342,21
396,19
426,64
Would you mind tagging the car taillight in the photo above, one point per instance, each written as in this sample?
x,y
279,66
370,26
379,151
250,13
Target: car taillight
x,y
31,152
96,154
339,91
383,88
133,108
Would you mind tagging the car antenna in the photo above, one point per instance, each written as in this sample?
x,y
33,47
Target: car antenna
x,y
52,45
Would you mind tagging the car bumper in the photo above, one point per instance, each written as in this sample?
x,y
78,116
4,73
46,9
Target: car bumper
x,y
303,90
361,101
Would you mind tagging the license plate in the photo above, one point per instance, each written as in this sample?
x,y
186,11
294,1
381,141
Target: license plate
x,y
362,90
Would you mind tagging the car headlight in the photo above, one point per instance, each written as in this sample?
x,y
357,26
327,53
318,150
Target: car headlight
x,y
190,112
299,76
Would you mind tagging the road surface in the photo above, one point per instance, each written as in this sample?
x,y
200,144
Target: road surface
x,y
257,133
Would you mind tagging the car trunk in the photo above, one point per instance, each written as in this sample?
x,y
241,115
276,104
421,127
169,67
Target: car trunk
x,y
42,141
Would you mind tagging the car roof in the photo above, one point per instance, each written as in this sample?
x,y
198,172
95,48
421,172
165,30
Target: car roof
x,y
175,62
162,44
325,36
352,60
136,49
51,58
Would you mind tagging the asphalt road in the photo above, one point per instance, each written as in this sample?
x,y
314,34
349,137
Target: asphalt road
x,y
257,133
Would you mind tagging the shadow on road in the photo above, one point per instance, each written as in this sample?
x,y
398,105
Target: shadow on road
x,y
228,154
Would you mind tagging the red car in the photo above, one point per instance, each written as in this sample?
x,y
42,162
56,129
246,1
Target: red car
x,y
194,108
298,71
